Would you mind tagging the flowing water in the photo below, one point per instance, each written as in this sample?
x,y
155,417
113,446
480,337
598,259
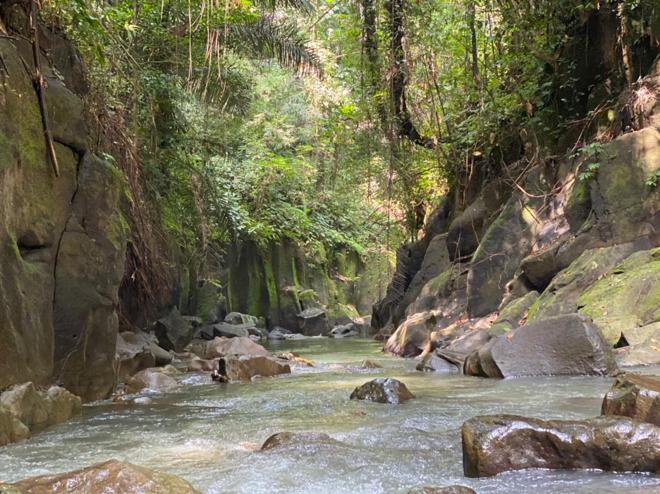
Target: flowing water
x,y
209,433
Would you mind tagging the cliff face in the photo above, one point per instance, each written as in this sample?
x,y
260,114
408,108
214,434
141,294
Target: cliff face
x,y
62,238
577,234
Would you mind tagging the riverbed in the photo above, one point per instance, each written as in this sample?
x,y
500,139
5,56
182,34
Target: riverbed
x,y
210,433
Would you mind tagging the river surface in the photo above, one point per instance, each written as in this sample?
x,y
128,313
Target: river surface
x,y
209,433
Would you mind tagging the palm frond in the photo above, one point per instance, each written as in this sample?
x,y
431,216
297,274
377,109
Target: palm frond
x,y
276,38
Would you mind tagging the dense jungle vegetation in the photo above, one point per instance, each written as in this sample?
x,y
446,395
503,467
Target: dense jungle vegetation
x,y
331,123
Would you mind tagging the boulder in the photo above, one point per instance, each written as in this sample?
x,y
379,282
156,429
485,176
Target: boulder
x,y
202,365
278,333
452,489
435,363
11,428
561,296
499,443
154,379
645,353
221,347
295,359
636,396
343,331
383,390
513,313
134,353
245,367
281,439
38,409
174,332
506,242
225,330
627,299
466,229
411,336
239,318
112,476
562,345
313,322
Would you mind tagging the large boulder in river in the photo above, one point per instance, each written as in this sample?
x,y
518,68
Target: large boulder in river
x,y
563,345
244,368
627,299
221,347
155,379
112,477
636,396
313,322
174,331
499,443
411,336
134,353
281,439
382,390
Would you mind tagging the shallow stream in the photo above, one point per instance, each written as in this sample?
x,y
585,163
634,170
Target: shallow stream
x,y
209,433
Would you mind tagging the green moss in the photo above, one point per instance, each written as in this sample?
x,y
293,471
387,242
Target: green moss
x,y
271,288
626,298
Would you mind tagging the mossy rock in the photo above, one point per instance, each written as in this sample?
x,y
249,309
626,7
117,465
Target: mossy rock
x,y
627,298
512,313
578,206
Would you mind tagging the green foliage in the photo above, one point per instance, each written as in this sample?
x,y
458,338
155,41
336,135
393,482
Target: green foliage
x,y
653,179
590,172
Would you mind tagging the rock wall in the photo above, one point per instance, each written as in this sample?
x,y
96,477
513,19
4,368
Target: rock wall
x,y
281,281
62,238
564,241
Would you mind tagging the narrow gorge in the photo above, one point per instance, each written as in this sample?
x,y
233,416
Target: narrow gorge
x,y
313,247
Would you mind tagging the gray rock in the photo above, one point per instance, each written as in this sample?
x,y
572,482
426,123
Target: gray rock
x,y
313,322
499,443
343,331
562,345
382,390
239,318
174,332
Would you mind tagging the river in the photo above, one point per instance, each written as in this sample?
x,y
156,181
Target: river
x,y
209,433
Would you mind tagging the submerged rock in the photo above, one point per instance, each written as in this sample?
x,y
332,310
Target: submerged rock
x,y
221,347
564,345
294,438
498,443
244,368
382,391
112,476
295,359
636,396
370,364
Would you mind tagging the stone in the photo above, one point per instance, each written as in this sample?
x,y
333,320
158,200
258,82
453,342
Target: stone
x,y
278,333
245,367
112,476
499,443
203,365
562,346
383,390
626,299
452,489
154,379
63,405
466,229
239,318
506,242
513,313
174,332
89,270
645,353
221,347
232,330
635,396
411,336
11,428
562,294
283,439
313,322
29,405
295,359
434,363
370,364
134,353
343,331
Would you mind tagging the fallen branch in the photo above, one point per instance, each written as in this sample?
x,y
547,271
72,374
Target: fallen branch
x,y
40,86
